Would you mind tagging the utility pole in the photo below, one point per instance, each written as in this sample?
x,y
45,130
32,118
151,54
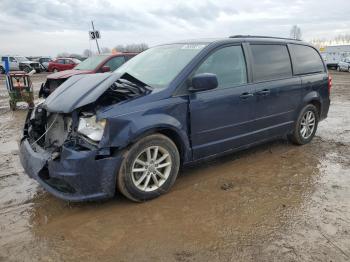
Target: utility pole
x,y
93,29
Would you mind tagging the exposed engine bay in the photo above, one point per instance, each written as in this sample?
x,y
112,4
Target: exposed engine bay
x,y
79,129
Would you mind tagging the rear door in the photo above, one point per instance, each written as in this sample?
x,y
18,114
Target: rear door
x,y
277,92
222,118
69,64
308,65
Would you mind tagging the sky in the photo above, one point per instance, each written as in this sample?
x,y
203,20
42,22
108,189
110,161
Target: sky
x,y
49,27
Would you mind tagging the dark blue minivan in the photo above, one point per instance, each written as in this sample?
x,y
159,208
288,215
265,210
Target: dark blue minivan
x,y
169,106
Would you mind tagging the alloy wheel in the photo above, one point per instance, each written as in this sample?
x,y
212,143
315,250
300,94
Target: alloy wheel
x,y
151,168
307,125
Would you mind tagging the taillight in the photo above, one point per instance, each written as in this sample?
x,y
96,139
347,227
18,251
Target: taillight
x,y
329,84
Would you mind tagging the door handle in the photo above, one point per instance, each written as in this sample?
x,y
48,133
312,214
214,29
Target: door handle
x,y
263,92
246,95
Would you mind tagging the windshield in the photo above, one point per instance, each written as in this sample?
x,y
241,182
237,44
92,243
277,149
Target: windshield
x,y
45,59
91,63
21,59
158,66
77,61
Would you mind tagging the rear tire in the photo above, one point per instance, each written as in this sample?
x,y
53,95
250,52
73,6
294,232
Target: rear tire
x,y
149,168
2,70
305,126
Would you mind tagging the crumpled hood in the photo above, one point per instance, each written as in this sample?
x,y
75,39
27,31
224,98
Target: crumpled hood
x,y
67,73
79,90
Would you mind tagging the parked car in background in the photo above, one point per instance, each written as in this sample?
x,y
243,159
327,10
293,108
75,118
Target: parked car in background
x,y
172,105
332,55
61,64
94,64
21,63
44,61
344,64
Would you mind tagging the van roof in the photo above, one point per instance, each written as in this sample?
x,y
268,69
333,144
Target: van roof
x,y
241,38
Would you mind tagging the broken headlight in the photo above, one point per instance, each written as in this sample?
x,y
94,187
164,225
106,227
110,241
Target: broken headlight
x,y
89,127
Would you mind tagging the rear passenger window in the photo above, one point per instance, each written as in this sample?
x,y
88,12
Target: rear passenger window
x,y
229,66
305,59
270,62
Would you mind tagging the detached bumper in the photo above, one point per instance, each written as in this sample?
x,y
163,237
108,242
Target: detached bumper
x,y
75,176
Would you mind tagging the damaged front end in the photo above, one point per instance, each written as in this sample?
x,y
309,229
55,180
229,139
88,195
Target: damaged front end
x,y
60,146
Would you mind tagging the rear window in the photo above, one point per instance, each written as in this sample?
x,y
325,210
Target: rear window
x,y
270,62
306,60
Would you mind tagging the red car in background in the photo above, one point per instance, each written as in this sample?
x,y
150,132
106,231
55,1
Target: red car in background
x,y
92,65
61,64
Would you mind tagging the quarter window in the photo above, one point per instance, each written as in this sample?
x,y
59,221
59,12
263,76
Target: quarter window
x,y
270,62
305,59
228,65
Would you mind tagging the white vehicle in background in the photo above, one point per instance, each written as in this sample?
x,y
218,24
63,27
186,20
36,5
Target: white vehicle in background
x,y
332,55
344,64
20,63
44,61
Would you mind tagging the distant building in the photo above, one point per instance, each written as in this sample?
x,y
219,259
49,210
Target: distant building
x,y
333,54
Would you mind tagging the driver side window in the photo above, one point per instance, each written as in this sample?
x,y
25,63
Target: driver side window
x,y
228,64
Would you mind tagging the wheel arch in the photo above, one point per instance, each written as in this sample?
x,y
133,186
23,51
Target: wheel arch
x,y
314,99
171,133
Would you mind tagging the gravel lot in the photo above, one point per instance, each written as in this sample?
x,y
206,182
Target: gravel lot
x,y
275,202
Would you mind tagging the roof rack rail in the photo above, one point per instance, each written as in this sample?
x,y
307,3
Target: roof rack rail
x,y
261,36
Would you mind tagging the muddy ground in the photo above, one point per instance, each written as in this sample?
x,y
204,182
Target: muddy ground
x,y
275,202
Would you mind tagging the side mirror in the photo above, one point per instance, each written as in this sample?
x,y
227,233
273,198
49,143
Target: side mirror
x,y
105,69
205,81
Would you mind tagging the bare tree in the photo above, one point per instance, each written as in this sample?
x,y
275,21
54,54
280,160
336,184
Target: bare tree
x,y
295,32
64,54
105,50
131,48
87,53
337,40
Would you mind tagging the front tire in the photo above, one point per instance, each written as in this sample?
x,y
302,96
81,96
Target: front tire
x,y
149,168
305,126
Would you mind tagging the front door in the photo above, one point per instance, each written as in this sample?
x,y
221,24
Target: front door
x,y
222,118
